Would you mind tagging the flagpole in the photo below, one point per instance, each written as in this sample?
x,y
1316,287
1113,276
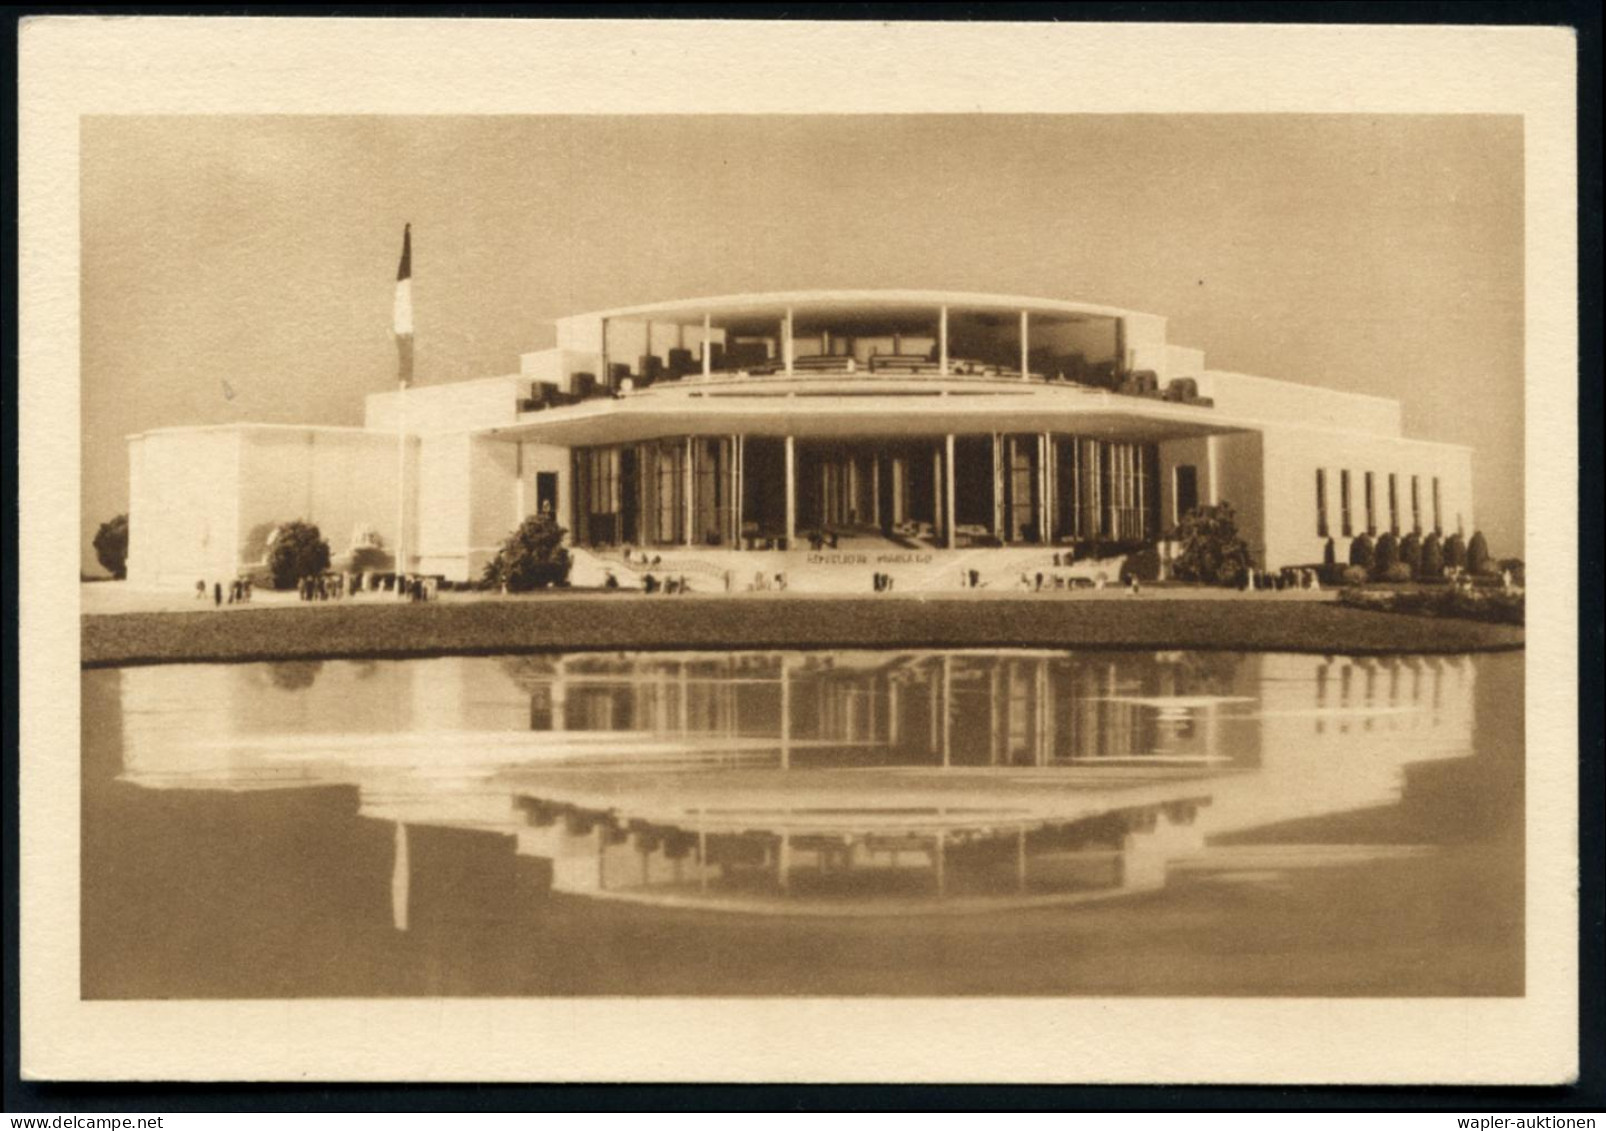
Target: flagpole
x,y
403,326
401,485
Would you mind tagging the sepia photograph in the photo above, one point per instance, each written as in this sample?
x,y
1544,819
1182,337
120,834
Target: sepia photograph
x,y
1019,560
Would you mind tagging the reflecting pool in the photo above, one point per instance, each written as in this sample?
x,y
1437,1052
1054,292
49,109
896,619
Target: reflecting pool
x,y
920,822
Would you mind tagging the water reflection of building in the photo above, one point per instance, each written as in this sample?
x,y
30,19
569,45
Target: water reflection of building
x,y
845,781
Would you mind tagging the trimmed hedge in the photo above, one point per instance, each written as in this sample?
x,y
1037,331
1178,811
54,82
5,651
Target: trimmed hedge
x,y
1491,607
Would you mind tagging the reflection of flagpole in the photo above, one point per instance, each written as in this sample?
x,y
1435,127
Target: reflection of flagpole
x,y
404,377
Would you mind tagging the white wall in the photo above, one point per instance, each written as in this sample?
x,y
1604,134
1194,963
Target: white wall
x,y
493,499
339,480
557,366
488,402
203,501
444,505
183,508
1229,470
544,457
1294,454
1260,398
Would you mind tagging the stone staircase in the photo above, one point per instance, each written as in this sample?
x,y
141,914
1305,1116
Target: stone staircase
x,y
850,569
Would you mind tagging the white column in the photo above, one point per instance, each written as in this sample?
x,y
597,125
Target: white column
x,y
519,500
708,336
1025,354
948,494
1212,493
942,339
689,482
791,492
875,489
1000,519
1045,509
740,456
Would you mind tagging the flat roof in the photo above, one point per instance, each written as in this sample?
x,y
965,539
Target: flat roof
x,y
858,299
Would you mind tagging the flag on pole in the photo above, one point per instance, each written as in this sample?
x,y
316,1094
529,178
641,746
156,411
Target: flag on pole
x,y
404,310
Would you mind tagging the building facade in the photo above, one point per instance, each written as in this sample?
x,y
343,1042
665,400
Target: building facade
x,y
898,425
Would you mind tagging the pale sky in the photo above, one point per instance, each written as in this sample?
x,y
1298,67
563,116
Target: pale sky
x,y
1378,254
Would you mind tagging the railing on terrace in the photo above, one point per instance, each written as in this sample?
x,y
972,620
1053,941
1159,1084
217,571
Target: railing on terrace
x,y
1143,383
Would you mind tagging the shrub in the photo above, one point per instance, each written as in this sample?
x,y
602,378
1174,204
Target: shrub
x,y
1478,554
1355,575
1212,552
1496,607
1411,552
296,550
111,546
1386,556
533,557
1360,551
1144,565
1517,569
1431,567
1455,552
1397,573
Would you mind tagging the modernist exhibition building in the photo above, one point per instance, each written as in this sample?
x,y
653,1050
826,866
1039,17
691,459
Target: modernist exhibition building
x,y
825,435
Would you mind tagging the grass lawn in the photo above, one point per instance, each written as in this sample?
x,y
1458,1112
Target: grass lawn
x,y
623,621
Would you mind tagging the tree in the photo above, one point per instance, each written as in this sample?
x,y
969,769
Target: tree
x,y
1478,553
1386,556
111,546
296,550
1411,552
1360,551
1432,564
1455,552
1212,551
533,557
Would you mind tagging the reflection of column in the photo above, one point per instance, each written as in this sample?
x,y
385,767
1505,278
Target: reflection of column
x,y
1020,836
786,341
783,862
946,708
791,492
786,712
940,853
560,696
702,853
401,878
948,492
708,335
942,339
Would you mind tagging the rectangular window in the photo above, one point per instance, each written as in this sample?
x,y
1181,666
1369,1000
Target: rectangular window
x,y
1416,504
1187,477
1438,516
1321,503
1371,504
1346,523
1394,504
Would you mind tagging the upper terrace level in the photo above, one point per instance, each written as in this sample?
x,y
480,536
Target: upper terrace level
x,y
846,333
864,344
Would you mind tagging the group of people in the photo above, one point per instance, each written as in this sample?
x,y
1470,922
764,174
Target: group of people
x,y
883,582
1290,577
321,587
239,591
651,584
